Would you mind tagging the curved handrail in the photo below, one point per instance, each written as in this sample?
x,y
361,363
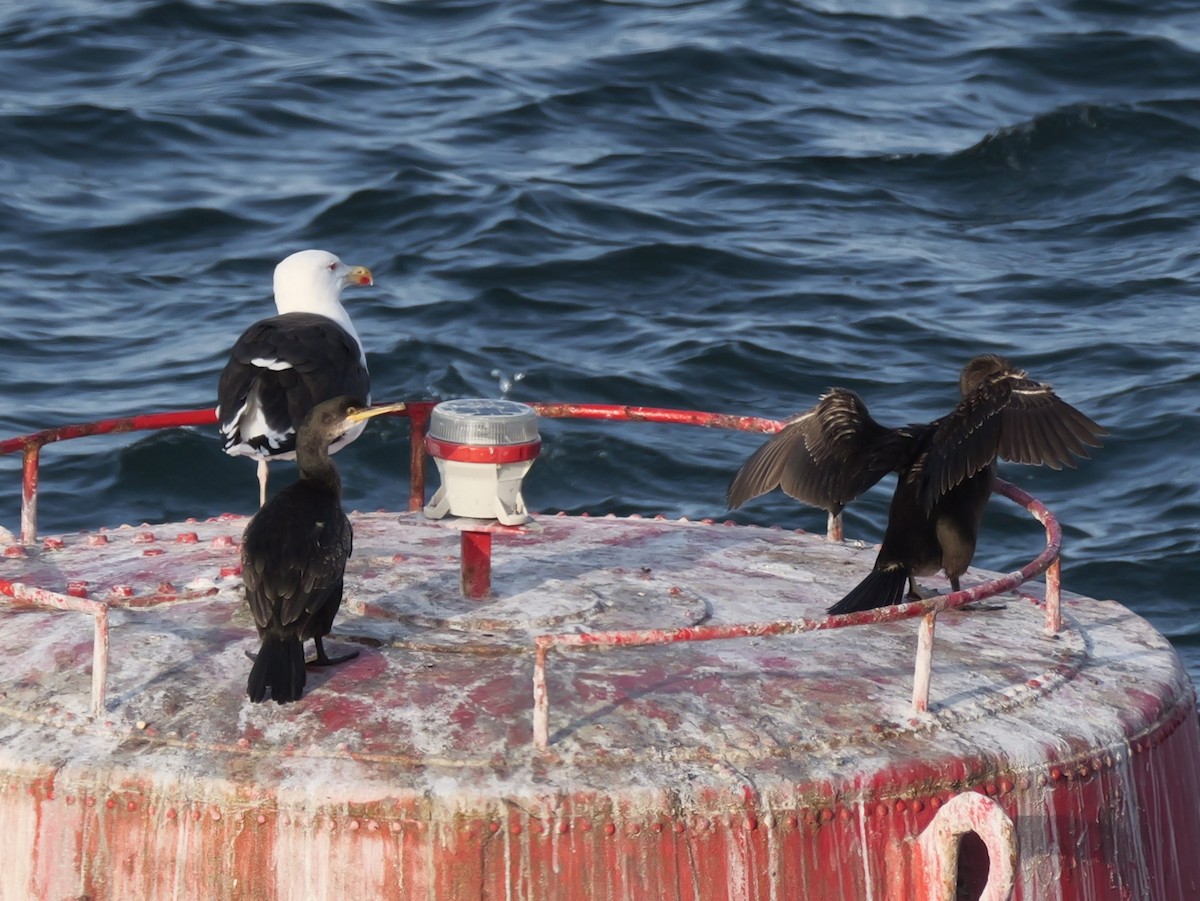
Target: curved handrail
x,y
418,413
1047,561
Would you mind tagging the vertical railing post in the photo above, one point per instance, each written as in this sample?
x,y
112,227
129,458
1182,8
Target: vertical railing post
x,y
418,417
29,489
1054,597
476,565
923,671
833,528
99,661
541,700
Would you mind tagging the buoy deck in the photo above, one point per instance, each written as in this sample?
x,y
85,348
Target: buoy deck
x,y
429,731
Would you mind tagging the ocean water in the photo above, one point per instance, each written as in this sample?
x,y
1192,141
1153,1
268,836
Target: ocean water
x,y
729,206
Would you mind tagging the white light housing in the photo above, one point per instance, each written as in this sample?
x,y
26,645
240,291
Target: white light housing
x,y
482,448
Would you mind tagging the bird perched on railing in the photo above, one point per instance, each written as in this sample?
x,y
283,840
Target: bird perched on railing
x,y
832,453
283,366
294,554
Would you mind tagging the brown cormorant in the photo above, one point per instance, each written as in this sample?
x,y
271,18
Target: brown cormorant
x,y
281,367
832,453
294,554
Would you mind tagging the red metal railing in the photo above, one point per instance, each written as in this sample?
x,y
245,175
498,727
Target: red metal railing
x,y
1046,562
418,413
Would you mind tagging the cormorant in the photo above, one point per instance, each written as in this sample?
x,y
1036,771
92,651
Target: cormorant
x,y
832,453
281,367
294,553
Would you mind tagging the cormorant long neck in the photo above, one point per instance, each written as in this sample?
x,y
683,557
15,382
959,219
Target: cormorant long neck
x,y
312,457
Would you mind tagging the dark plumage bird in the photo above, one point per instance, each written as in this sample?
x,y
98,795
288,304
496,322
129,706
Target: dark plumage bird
x,y
281,367
294,554
834,452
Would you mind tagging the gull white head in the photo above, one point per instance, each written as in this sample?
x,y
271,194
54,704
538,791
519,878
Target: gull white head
x,y
311,281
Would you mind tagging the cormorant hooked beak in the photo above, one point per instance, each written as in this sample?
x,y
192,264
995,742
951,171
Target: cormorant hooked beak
x,y
362,414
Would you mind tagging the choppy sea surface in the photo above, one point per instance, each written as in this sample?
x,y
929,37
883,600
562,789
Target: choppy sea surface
x,y
729,206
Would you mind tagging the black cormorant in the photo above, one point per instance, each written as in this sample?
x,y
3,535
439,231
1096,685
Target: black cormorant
x,y
832,453
281,367
294,553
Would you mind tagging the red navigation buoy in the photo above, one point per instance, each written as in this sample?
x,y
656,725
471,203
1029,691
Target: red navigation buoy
x,y
641,709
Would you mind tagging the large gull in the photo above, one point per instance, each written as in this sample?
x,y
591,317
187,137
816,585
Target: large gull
x,y
282,367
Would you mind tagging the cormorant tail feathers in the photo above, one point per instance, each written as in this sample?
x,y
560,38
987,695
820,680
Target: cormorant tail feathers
x,y
880,588
280,667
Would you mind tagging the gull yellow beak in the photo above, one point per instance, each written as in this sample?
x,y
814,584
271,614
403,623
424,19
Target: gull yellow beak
x,y
359,275
362,414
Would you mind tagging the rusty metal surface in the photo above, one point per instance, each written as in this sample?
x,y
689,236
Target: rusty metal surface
x,y
775,766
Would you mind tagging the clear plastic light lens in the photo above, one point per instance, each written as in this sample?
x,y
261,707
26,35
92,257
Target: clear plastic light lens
x,y
481,421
